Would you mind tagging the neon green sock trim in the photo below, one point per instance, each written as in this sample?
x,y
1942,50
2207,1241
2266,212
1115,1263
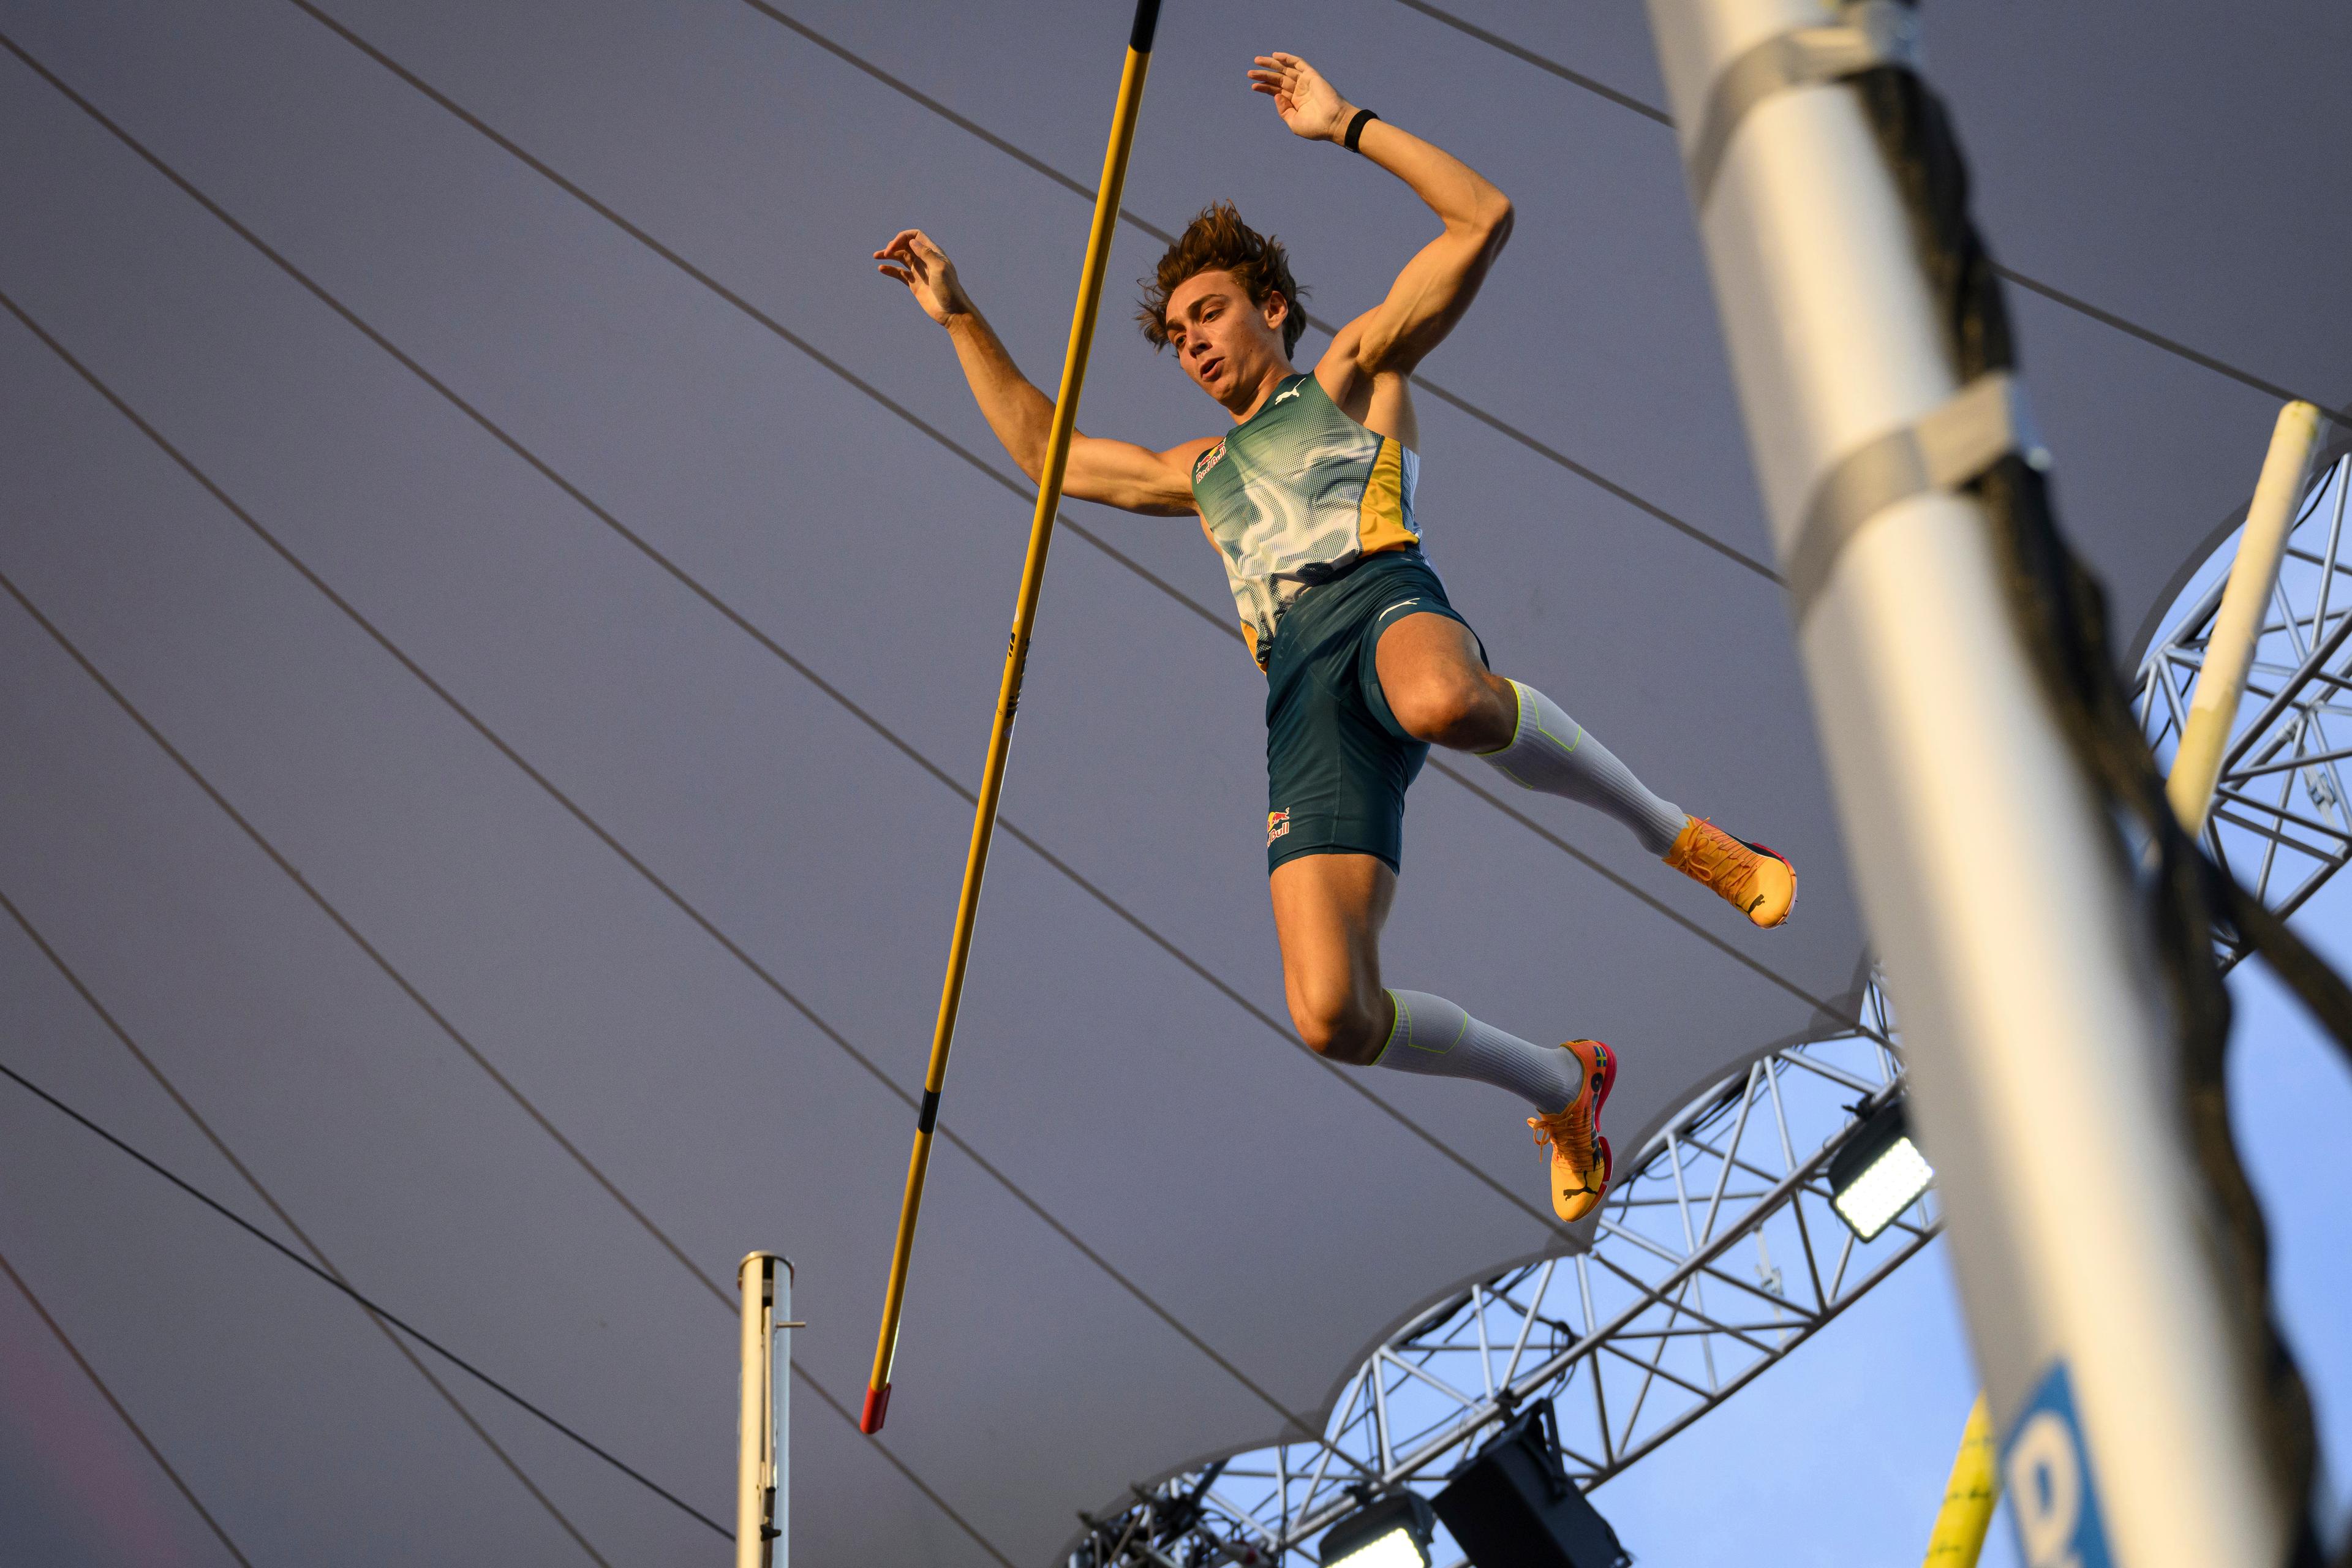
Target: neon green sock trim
x,y
1520,717
1398,1019
1400,1026
1569,746
1519,726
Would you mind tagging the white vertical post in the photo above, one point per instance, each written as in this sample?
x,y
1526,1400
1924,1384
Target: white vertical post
x,y
763,1430
1983,859
2245,604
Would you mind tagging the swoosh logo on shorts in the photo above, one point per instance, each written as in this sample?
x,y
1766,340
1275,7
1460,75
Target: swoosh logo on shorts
x,y
1400,605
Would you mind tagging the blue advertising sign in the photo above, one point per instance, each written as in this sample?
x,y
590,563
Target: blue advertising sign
x,y
2047,1472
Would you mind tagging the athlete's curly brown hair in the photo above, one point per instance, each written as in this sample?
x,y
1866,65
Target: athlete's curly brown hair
x,y
1219,241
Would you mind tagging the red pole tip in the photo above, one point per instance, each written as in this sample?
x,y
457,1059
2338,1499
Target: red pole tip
x,y
878,1408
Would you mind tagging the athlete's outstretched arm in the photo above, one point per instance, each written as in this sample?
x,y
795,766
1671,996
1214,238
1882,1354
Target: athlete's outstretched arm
x,y
1117,473
1437,285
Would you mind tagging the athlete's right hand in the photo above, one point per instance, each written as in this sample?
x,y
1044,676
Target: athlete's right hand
x,y
924,269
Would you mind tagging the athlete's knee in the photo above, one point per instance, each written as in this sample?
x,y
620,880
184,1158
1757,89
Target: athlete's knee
x,y
1463,708
1339,1023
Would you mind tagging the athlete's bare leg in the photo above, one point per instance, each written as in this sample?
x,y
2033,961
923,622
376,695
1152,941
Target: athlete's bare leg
x,y
1328,909
1328,914
1440,690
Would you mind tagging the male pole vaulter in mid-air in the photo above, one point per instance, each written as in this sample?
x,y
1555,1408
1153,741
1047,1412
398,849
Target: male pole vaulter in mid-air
x,y
1310,501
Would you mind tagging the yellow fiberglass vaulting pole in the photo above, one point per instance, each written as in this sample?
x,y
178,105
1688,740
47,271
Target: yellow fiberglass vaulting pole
x,y
1008,701
1969,1497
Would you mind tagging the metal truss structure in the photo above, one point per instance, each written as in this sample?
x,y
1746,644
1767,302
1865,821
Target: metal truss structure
x,y
1714,1258
1720,1254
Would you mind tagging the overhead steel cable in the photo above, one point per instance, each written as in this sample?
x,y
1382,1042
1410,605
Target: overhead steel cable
x,y
1028,160
441,1022
220,1146
762,319
1029,841
1125,915
90,1371
727,941
1593,85
2340,415
374,954
1141,225
703,922
750,629
1224,627
2105,318
333,1278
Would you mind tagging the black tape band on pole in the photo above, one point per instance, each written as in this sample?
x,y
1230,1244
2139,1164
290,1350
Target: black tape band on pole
x,y
1147,22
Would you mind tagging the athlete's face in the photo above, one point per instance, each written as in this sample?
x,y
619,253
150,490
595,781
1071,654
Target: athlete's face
x,y
1226,344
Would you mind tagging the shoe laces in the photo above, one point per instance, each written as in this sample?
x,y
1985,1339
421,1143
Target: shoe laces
x,y
1570,1131
1723,862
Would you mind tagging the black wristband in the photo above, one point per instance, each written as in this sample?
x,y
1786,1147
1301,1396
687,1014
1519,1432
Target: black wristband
x,y
1356,128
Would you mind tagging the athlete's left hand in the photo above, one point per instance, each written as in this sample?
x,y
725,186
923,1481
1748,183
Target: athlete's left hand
x,y
1310,106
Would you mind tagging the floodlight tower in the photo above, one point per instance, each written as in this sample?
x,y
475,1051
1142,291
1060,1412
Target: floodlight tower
x,y
2119,1373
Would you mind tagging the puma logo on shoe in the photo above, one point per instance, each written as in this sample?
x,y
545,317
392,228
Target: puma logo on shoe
x,y
1580,1156
1754,879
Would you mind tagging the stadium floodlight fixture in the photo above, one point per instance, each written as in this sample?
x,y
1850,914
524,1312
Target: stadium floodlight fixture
x,y
1878,1174
1393,1533
1513,1505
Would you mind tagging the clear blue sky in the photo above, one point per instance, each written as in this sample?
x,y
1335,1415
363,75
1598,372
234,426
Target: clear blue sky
x,y
1836,1458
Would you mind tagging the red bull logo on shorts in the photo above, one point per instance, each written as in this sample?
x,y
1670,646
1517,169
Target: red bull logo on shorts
x,y
1278,823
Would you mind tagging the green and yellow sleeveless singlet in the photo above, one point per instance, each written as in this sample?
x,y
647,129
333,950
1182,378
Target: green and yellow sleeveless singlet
x,y
1296,495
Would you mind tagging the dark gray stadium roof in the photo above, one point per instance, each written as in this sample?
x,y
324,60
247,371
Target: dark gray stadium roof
x,y
505,606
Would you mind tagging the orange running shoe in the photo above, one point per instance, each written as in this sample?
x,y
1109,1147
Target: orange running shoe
x,y
1580,1155
1759,880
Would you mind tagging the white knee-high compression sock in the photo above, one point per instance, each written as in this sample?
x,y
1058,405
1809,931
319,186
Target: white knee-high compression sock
x,y
1432,1035
1552,752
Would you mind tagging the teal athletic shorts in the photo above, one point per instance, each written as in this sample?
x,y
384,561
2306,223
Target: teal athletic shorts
x,y
1336,761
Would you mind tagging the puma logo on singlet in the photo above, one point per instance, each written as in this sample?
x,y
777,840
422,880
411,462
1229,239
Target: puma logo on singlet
x,y
1291,391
